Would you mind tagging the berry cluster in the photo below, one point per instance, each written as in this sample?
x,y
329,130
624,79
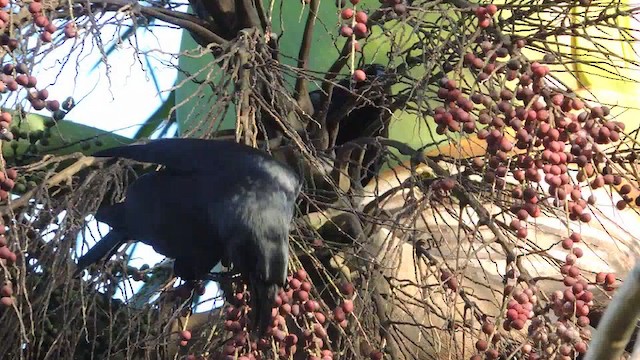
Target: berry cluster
x,y
356,23
48,28
13,77
534,133
299,324
484,14
9,257
399,7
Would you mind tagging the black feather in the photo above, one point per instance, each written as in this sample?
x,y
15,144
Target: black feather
x,y
363,119
105,248
214,199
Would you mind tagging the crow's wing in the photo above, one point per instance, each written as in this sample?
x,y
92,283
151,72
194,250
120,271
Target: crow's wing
x,y
105,248
113,215
190,155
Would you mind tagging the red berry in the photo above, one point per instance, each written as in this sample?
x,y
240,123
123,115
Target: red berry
x,y
347,288
50,28
359,75
361,17
360,30
484,22
346,31
41,21
22,79
482,345
6,290
575,237
346,13
347,306
301,274
294,284
35,7
70,30
610,279
185,335
12,174
492,9
46,37
6,301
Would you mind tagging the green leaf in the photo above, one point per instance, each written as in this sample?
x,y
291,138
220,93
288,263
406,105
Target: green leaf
x,y
65,137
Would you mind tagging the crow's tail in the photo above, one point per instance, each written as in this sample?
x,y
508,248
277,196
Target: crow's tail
x,y
106,247
263,299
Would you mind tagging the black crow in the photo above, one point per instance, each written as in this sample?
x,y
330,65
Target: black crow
x,y
213,199
362,118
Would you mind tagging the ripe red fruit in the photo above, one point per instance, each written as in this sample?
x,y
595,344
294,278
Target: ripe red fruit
x,y
301,275
484,22
70,30
347,288
285,309
185,335
5,253
567,244
575,237
41,21
491,9
31,81
6,301
347,306
12,174
346,31
12,85
354,2
600,277
53,105
35,7
320,317
339,315
46,37
302,295
6,290
360,30
610,279
294,284
346,13
183,343
482,345
359,75
361,17
22,79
